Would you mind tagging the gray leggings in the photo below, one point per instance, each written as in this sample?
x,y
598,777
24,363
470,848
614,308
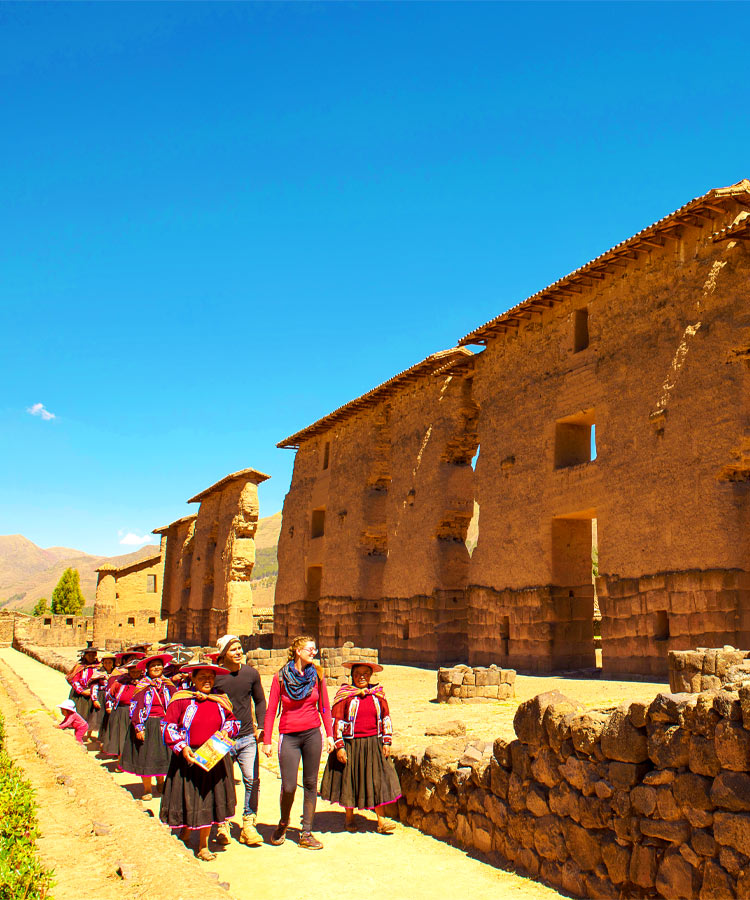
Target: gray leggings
x,y
308,745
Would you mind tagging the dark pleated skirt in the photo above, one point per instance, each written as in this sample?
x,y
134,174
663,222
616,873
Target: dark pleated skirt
x,y
103,727
96,717
367,780
148,757
117,730
194,798
84,706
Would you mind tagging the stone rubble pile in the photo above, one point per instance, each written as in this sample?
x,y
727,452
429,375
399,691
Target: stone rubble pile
x,y
463,684
645,800
708,669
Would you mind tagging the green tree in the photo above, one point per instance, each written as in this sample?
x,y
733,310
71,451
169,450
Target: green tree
x,y
41,607
67,598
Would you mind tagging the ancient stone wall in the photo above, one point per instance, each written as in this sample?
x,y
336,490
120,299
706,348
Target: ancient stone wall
x,y
53,631
268,662
462,684
642,355
128,602
7,624
209,559
706,669
644,800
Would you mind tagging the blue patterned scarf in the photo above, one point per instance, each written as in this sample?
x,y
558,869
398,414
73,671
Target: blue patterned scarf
x,y
297,685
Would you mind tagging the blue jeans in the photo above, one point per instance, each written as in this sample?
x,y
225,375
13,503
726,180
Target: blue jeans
x,y
245,752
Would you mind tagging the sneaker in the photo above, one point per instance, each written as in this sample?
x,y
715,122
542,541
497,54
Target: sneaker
x,y
279,835
249,834
223,834
308,840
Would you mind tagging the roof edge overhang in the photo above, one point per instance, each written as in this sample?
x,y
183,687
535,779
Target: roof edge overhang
x,y
697,211
435,364
165,528
246,474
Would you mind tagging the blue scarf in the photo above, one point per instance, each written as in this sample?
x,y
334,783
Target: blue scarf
x,y
297,685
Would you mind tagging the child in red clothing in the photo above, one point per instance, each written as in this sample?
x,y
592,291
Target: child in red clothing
x,y
71,719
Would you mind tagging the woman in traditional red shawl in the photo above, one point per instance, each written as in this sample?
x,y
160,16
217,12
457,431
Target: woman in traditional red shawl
x,y
359,773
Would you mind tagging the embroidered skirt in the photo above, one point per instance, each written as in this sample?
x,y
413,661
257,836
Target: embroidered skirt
x,y
147,757
367,779
118,726
194,798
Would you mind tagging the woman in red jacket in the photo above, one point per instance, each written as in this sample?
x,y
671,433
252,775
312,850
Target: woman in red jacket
x,y
195,798
120,690
144,752
302,693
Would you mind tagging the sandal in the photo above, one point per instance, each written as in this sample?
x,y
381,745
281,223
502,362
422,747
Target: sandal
x,y
385,828
205,855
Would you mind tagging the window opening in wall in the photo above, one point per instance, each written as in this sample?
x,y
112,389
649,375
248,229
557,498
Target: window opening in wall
x,y
472,532
597,612
475,458
593,441
48,621
405,631
661,625
311,612
505,635
572,590
152,620
574,440
326,454
337,637
580,330
131,621
68,621
318,523
151,584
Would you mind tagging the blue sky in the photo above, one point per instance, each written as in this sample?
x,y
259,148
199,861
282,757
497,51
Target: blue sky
x,y
221,221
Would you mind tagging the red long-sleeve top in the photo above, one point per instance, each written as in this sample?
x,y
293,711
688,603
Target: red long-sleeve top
x,y
121,688
298,715
81,681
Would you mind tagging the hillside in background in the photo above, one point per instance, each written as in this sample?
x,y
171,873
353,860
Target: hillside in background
x,y
28,572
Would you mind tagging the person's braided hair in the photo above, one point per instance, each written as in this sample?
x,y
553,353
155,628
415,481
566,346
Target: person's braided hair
x,y
298,643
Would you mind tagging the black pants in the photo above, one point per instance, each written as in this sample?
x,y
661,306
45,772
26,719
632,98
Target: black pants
x,y
309,745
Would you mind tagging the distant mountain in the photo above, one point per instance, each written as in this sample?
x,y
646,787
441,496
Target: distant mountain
x,y
28,572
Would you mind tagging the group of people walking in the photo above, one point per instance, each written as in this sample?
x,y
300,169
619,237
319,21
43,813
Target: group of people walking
x,y
156,716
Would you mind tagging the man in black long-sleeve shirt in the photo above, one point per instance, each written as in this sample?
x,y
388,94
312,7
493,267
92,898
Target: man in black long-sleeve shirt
x,y
242,686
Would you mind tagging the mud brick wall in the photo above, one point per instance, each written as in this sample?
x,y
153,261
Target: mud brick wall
x,y
640,801
45,655
462,683
706,669
647,351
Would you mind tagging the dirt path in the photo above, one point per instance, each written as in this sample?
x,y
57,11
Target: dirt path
x,y
405,865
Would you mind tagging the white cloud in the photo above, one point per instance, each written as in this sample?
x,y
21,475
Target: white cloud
x,y
133,540
38,410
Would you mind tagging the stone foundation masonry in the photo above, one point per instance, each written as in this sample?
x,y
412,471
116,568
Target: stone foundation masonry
x,y
639,801
706,669
462,684
268,662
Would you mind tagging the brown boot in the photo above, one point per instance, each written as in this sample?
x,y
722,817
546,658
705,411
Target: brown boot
x,y
279,836
223,834
249,834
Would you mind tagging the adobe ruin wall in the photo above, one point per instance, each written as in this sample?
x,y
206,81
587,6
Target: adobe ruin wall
x,y
647,348
644,800
208,563
463,684
128,603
